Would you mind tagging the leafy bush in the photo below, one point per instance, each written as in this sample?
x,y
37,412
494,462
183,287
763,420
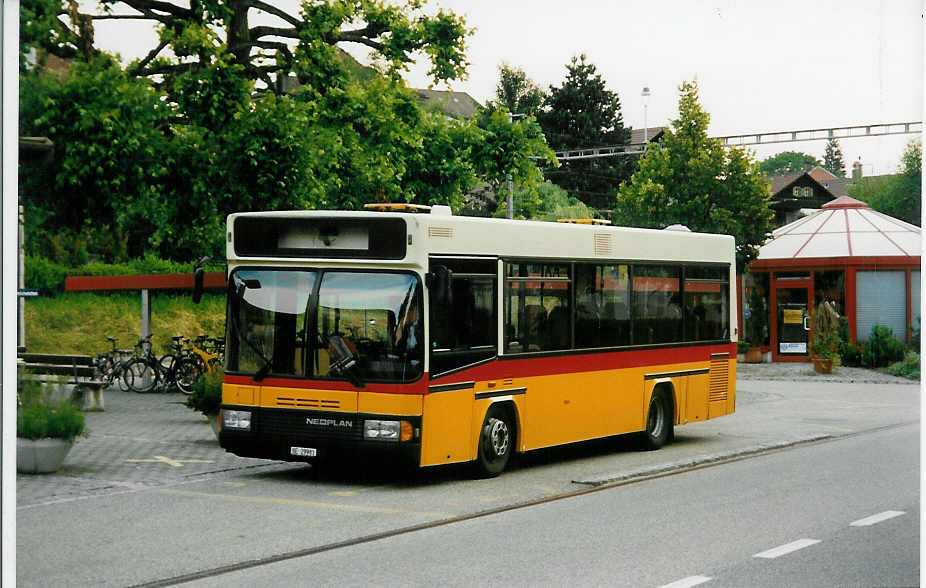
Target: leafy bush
x,y
40,417
908,368
48,276
882,348
850,354
207,393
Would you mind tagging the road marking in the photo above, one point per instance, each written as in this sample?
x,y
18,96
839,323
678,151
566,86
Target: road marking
x,y
307,503
175,463
875,519
687,582
353,492
787,548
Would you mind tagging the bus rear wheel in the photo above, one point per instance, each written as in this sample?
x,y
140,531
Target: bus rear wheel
x,y
659,420
496,442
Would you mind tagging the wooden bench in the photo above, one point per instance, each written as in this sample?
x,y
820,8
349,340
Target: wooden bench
x,y
79,369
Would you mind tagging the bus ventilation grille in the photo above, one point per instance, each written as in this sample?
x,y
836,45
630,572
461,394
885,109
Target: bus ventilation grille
x,y
720,377
602,244
440,232
308,403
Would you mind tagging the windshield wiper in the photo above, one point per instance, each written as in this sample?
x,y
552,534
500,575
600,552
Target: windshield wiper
x,y
240,287
345,360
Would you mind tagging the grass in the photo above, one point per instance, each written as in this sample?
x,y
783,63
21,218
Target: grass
x,y
79,322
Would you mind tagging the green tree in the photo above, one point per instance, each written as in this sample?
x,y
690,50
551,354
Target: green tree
x,y
109,131
688,178
787,162
194,36
513,148
580,113
898,195
832,158
516,92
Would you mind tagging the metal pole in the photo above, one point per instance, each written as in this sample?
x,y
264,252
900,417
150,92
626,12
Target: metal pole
x,y
21,303
510,198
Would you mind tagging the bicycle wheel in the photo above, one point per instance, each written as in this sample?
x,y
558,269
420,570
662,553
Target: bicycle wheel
x,y
186,374
144,376
168,371
124,376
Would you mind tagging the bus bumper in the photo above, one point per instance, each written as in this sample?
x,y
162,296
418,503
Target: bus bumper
x,y
312,436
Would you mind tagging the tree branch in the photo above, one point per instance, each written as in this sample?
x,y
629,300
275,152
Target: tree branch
x,y
264,31
149,5
274,11
353,37
147,59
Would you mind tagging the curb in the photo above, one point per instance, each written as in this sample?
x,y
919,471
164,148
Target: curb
x,y
696,462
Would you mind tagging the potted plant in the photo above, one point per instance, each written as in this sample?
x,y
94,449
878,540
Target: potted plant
x,y
755,327
45,428
207,397
824,347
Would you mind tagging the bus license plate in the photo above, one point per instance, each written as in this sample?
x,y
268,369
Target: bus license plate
x,y
303,451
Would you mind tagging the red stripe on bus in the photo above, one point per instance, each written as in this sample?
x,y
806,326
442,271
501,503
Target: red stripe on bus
x,y
547,365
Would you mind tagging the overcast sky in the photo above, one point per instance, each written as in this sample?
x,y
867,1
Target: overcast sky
x,y
761,66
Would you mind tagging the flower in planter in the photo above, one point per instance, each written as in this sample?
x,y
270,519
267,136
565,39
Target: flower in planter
x,y
40,417
207,393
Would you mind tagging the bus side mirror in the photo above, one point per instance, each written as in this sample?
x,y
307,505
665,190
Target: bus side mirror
x,y
198,276
439,282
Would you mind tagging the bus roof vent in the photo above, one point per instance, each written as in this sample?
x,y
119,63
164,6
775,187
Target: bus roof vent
x,y
679,228
441,210
584,221
396,207
440,232
603,244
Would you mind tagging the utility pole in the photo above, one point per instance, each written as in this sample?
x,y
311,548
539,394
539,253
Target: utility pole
x,y
510,211
645,93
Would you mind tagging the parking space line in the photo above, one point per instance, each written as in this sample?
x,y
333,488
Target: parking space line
x,y
875,519
306,503
687,582
787,548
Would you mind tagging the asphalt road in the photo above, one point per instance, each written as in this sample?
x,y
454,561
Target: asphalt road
x,y
836,513
117,517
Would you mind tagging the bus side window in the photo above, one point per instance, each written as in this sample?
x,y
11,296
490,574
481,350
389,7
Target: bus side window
x,y
465,331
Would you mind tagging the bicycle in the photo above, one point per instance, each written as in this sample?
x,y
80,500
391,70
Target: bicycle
x,y
208,352
178,369
142,372
111,364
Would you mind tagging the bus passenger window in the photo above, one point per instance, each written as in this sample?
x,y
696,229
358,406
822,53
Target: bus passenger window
x,y
707,309
537,309
465,331
657,311
602,306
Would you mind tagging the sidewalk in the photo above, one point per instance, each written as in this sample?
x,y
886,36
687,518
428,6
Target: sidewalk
x,y
140,440
149,440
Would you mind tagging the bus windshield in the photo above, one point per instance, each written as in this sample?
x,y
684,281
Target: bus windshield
x,y
362,326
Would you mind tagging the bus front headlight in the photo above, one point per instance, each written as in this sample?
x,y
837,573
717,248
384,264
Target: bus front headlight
x,y
236,419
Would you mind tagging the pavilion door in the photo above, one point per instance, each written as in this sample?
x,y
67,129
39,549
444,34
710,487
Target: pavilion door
x,y
792,323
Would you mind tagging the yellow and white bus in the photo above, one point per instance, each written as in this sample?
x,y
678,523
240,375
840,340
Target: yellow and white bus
x,y
441,339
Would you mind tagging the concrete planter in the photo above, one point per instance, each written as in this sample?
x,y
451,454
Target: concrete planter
x,y
42,456
214,423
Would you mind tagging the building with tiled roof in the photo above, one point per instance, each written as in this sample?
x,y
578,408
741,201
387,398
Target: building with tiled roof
x,y
458,105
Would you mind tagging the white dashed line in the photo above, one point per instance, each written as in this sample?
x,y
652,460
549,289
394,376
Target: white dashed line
x,y
875,519
787,548
687,582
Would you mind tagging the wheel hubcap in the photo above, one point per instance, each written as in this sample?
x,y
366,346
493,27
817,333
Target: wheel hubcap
x,y
498,437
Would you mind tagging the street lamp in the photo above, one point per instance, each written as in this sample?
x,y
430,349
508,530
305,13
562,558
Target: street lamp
x,y
645,93
510,212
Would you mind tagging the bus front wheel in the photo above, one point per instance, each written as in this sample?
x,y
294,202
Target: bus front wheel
x,y
496,442
659,421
